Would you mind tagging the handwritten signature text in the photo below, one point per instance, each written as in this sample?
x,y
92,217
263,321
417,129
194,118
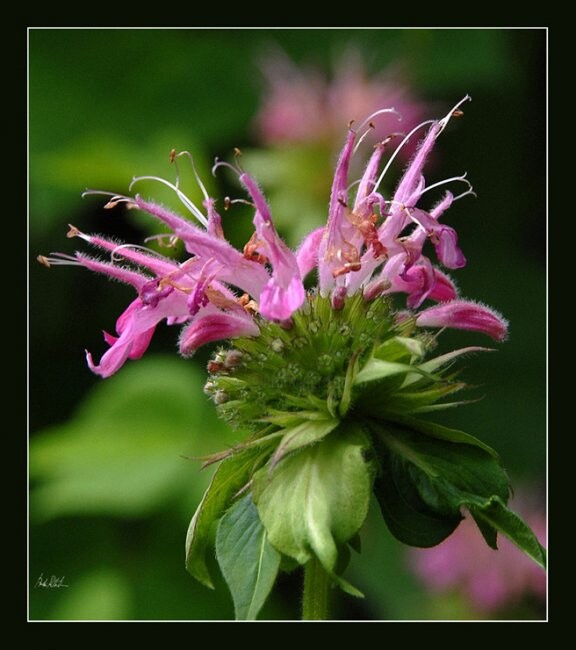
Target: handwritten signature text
x,y
52,582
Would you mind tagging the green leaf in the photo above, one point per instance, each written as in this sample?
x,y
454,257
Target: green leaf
x,y
231,476
316,498
426,481
441,432
407,515
249,563
423,478
495,516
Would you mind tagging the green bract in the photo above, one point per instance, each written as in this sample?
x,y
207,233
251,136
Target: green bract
x,y
333,402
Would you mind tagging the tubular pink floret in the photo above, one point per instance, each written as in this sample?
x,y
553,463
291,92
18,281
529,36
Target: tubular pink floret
x,y
284,292
338,229
128,276
139,255
367,184
467,315
257,196
215,327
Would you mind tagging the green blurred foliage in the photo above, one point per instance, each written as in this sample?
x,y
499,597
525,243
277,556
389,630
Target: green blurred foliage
x,y
112,483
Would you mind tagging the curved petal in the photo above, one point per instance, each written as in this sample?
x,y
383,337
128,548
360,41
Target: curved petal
x,y
135,328
278,302
134,337
215,326
466,315
307,253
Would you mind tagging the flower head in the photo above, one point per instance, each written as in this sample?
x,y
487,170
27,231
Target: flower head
x,y
371,244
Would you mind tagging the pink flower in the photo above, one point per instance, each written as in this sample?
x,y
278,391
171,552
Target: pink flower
x,y
200,292
374,242
370,243
490,580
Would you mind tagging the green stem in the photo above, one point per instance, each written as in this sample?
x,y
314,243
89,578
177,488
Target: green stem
x,y
316,582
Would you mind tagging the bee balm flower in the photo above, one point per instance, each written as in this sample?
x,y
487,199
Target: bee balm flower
x,y
329,379
370,244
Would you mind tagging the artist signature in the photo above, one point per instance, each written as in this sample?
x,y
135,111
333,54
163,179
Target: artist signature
x,y
52,582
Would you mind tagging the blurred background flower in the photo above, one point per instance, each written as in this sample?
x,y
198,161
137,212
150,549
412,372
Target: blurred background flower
x,y
302,104
465,570
112,483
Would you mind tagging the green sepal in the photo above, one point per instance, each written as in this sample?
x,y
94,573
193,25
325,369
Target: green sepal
x,y
378,369
249,563
294,418
400,348
437,362
302,435
402,402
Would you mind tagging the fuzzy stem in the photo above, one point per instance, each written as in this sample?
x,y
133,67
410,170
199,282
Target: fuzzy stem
x,y
315,601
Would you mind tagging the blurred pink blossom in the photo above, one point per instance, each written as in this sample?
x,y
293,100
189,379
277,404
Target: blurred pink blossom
x,y
303,104
491,580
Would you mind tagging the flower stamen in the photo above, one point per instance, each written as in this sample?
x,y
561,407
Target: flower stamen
x,y
57,259
161,238
454,112
183,198
398,149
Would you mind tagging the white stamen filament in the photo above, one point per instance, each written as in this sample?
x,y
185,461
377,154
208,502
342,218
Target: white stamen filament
x,y
196,176
58,259
114,254
172,239
449,180
116,198
397,150
470,190
223,163
103,193
183,198
375,114
444,121
230,201
361,139
371,126
356,182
